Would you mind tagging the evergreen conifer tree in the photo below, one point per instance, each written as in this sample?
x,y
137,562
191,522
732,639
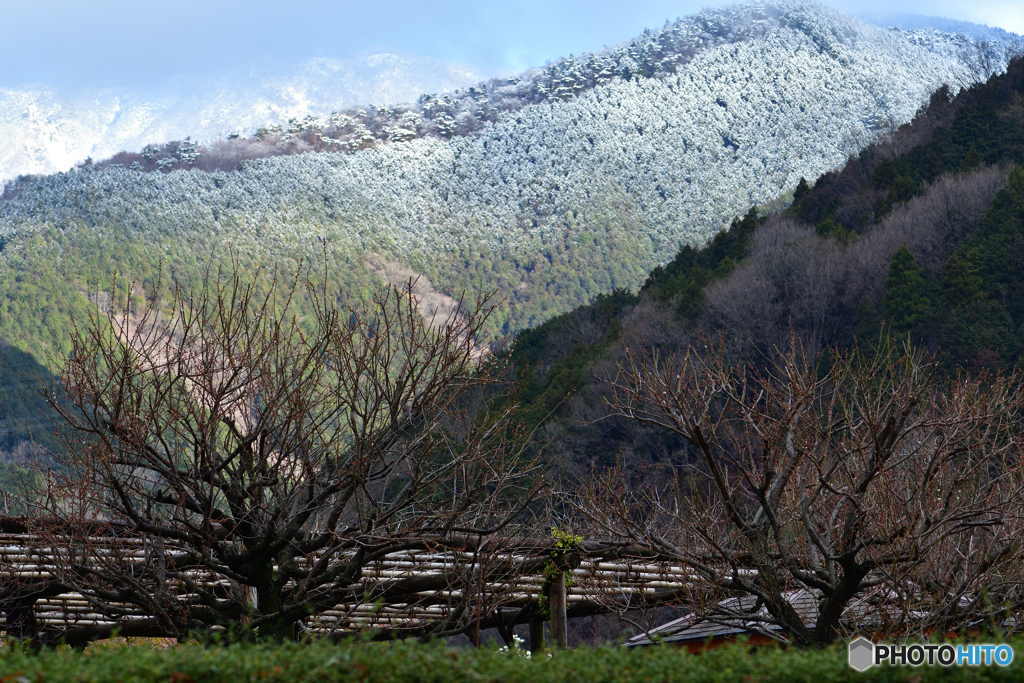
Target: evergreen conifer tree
x,y
802,188
972,160
959,282
905,303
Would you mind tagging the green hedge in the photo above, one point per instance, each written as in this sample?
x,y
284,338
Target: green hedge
x,y
424,664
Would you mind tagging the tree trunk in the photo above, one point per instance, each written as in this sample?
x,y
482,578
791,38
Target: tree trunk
x,y
268,601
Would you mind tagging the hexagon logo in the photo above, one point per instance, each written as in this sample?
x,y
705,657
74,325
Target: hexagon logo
x,y
862,654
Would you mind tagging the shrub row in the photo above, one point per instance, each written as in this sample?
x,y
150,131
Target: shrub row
x,y
400,662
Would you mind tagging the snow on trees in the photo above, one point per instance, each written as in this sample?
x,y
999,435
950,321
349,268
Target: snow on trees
x,y
693,124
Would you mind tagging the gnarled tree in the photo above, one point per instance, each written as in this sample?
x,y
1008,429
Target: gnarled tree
x,y
230,466
842,492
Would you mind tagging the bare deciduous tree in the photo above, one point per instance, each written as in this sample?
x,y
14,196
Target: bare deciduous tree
x,y
220,438
884,495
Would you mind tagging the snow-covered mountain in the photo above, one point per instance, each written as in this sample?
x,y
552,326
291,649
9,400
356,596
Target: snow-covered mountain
x,y
552,202
45,130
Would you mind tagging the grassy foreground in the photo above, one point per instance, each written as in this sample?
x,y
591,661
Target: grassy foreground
x,y
400,662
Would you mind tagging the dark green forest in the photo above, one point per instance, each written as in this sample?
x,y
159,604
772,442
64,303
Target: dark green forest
x,y
24,414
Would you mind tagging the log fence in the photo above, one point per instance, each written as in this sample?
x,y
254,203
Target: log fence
x,y
404,592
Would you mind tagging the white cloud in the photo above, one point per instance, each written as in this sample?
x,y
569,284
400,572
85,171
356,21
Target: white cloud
x,y
1008,16
1005,15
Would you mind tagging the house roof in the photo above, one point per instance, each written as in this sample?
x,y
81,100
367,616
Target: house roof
x,y
728,620
728,617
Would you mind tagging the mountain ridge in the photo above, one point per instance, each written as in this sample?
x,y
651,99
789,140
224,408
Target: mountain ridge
x,y
550,204
553,204
43,130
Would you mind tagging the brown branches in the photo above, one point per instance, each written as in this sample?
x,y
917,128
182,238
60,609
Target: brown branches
x,y
281,455
885,492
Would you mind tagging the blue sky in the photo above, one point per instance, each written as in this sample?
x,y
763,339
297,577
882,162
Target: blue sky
x,y
138,42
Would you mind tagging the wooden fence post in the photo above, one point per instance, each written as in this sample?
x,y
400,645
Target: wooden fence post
x,y
559,620
536,634
557,598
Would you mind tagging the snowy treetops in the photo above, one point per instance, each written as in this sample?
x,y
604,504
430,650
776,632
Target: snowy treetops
x,y
618,159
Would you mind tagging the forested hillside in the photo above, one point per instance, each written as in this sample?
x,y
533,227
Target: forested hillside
x,y
920,237
566,185
23,411
550,204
